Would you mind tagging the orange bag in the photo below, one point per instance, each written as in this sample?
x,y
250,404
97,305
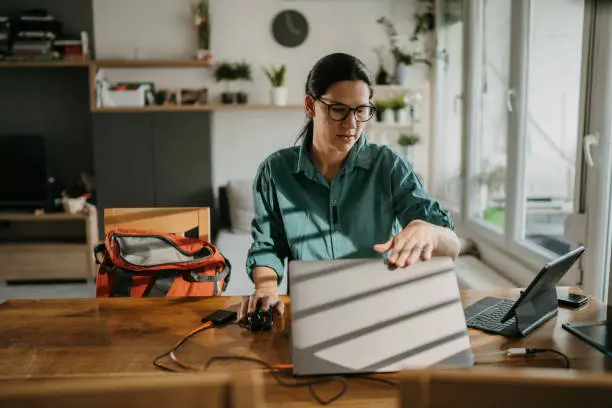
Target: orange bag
x,y
137,263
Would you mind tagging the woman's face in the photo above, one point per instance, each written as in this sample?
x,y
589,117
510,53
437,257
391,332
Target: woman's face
x,y
335,127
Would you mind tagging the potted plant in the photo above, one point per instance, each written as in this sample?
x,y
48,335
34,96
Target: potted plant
x,y
225,72
277,80
403,60
202,22
243,74
400,108
406,141
384,111
381,106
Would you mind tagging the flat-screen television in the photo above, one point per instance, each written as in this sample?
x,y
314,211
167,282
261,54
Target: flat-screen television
x,y
23,171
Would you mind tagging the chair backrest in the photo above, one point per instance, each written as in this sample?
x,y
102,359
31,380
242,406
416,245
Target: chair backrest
x,y
177,220
504,388
218,390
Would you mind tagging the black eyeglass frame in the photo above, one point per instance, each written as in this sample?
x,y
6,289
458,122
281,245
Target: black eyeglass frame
x,y
348,112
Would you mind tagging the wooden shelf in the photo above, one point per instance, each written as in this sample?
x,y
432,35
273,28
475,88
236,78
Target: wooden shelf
x,y
152,63
45,64
191,108
27,216
108,64
381,125
393,88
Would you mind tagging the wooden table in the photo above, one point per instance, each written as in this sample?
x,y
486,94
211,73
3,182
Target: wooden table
x,y
40,339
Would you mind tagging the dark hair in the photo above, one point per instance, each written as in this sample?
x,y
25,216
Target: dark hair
x,y
327,71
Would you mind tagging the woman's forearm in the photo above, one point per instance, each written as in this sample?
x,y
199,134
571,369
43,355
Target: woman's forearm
x,y
265,277
448,243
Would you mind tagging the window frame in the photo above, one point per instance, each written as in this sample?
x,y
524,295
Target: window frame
x,y
510,240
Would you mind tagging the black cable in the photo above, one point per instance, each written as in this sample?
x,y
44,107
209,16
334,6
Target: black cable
x,y
276,373
370,377
280,379
538,351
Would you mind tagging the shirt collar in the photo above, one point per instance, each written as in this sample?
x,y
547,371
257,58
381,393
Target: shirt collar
x,y
359,156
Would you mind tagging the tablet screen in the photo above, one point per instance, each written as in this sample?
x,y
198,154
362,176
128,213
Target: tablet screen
x,y
598,333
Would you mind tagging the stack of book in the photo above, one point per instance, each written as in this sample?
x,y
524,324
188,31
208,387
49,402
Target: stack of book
x,y
34,34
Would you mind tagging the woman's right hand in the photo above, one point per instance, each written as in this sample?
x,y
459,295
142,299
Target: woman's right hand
x,y
266,290
269,298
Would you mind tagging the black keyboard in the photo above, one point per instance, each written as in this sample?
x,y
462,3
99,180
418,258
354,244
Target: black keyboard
x,y
490,318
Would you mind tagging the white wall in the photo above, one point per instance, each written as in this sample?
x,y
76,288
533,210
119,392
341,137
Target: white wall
x,y
241,29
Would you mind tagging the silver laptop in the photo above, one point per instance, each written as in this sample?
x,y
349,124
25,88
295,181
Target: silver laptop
x,y
359,316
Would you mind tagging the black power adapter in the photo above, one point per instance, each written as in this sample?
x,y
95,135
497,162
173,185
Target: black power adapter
x,y
220,317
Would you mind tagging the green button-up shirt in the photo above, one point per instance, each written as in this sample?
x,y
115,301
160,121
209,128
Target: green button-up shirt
x,y
300,215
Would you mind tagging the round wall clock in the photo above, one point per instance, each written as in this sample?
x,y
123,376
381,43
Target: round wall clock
x,y
290,28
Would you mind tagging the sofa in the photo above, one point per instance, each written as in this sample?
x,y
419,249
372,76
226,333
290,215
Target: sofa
x,y
233,238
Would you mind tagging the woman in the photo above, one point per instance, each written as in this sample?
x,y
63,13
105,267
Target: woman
x,y
336,195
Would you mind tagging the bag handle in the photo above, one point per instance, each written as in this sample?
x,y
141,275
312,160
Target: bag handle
x,y
195,277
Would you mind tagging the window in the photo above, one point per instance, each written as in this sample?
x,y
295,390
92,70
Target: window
x,y
492,135
522,107
553,107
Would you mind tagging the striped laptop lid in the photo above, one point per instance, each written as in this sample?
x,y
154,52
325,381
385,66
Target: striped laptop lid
x,y
359,316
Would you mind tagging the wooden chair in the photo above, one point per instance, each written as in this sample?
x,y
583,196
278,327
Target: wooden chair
x,y
504,388
214,390
177,220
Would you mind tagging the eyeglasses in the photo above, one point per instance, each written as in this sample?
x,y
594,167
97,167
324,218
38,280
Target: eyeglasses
x,y
339,111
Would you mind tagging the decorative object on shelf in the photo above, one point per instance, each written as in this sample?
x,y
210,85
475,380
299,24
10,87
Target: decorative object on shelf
x,y
388,115
167,97
194,96
225,72
243,74
403,60
400,108
103,86
202,22
415,100
278,93
290,28
407,141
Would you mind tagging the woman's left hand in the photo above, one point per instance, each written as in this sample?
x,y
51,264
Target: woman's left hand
x,y
418,240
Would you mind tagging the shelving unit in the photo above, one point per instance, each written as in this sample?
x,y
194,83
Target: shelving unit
x,y
46,64
391,126
191,108
157,63
387,133
47,246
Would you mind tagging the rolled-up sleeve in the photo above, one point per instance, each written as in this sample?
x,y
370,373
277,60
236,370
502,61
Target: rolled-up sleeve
x,y
410,199
269,247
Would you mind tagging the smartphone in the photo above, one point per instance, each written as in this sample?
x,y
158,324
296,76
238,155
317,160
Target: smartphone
x,y
571,299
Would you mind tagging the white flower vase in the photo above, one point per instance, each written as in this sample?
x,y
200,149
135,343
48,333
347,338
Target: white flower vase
x,y
279,96
401,74
388,116
402,116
